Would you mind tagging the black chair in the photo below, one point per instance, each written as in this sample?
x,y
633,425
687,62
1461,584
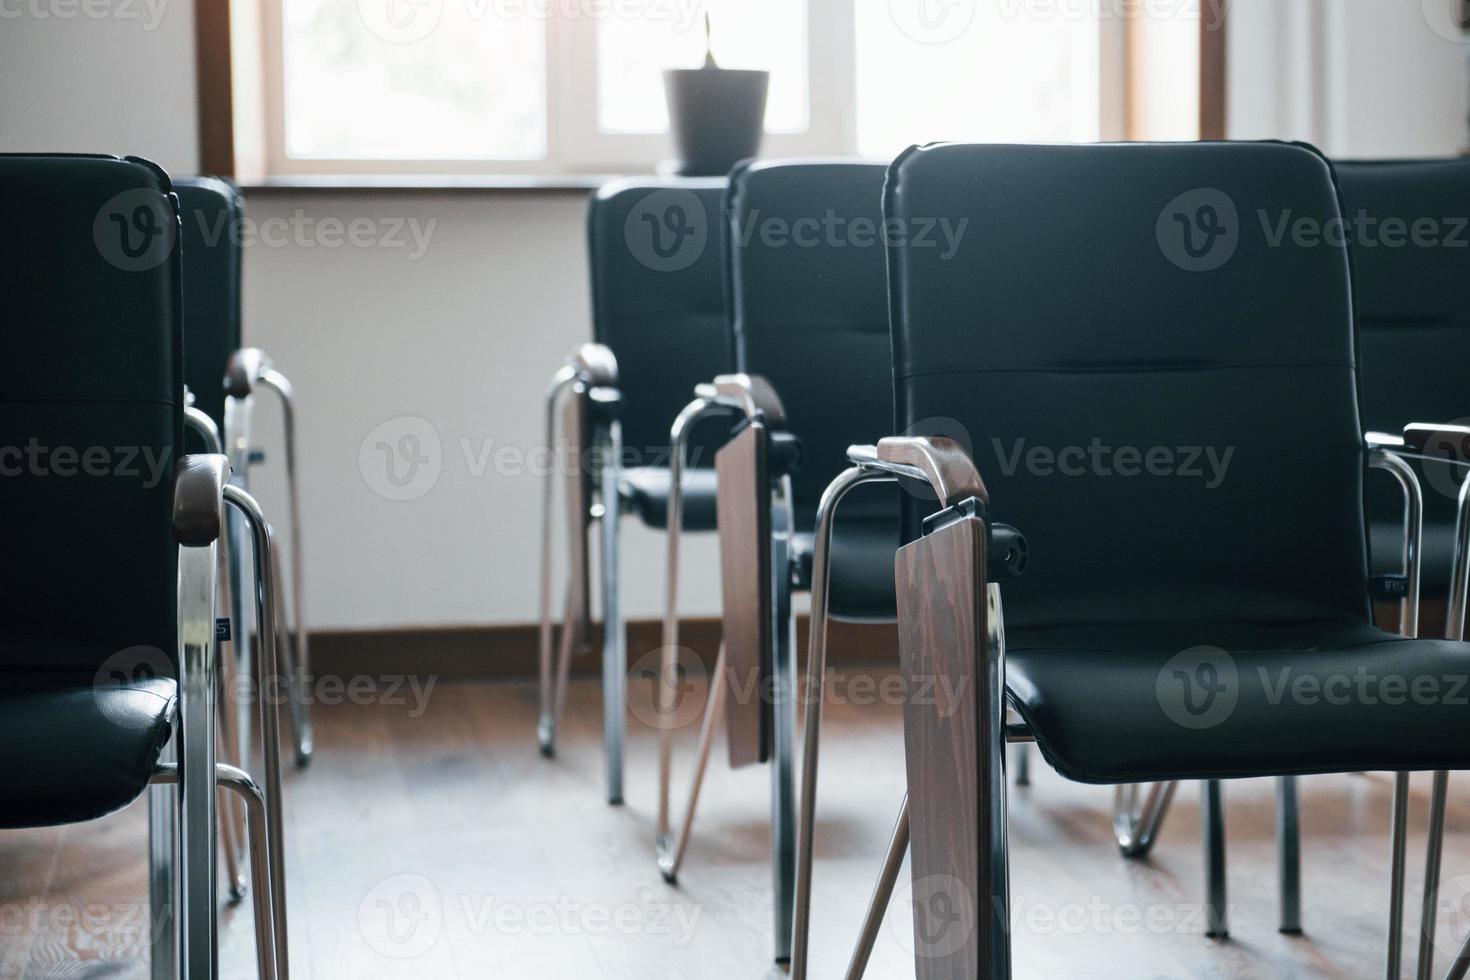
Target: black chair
x,y
223,378
808,321
108,647
658,320
1410,248
1411,239
1409,251
1160,605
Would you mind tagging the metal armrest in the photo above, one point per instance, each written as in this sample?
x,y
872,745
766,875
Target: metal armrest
x,y
943,466
198,514
244,369
1383,440
749,393
940,462
595,365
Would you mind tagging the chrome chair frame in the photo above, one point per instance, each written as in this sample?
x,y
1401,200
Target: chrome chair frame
x,y
232,811
1384,452
183,813
239,784
590,376
753,399
248,370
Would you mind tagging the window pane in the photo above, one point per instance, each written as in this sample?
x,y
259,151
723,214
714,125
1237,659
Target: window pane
x,y
633,51
972,71
414,79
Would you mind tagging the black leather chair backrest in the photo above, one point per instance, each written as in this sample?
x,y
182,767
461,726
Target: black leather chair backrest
x,y
658,303
91,403
1410,224
808,305
211,211
1077,314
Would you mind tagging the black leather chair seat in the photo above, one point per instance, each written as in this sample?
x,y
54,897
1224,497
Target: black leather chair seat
x,y
79,747
646,490
1297,699
862,569
1438,550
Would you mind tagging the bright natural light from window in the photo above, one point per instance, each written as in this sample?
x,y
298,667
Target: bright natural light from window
x,y
413,79
1009,74
634,51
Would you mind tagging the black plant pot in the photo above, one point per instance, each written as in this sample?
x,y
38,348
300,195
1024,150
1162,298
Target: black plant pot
x,y
717,116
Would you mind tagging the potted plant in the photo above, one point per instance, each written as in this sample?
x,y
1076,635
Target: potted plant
x,y
717,115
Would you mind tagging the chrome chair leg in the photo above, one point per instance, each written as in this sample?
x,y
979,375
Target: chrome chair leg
x,y
783,723
1437,798
1454,630
1021,763
1409,626
295,685
269,963
1136,826
239,784
614,641
667,687
197,801
1289,853
565,648
232,813
238,413
237,883
1398,835
671,853
1212,827
816,675
898,848
297,649
268,672
163,842
546,724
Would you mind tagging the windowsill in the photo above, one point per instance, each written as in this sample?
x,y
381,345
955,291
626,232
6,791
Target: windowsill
x,y
475,183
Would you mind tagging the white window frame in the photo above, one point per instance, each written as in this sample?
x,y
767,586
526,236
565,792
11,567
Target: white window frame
x,y
576,145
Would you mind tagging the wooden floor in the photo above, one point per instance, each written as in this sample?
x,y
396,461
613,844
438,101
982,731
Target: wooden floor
x,y
442,846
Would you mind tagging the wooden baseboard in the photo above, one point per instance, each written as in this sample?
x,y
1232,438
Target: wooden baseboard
x,y
511,652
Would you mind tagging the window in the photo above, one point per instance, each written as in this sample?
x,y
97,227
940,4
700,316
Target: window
x,y
576,86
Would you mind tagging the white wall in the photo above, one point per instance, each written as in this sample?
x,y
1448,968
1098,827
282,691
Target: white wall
x,y
1358,78
466,335
105,76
